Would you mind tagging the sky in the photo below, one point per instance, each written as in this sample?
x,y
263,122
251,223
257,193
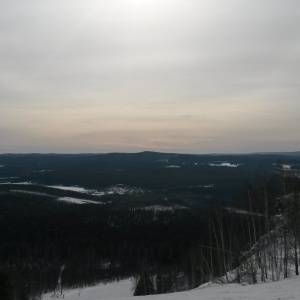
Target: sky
x,y
185,76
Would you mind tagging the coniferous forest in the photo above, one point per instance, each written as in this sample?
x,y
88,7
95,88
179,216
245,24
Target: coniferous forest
x,y
171,221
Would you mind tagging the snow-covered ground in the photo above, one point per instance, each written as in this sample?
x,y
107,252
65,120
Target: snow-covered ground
x,y
206,186
114,290
19,183
224,164
285,167
66,199
285,289
172,167
119,189
79,201
158,208
69,188
115,189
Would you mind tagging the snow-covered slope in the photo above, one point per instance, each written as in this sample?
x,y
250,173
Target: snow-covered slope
x,y
284,289
114,290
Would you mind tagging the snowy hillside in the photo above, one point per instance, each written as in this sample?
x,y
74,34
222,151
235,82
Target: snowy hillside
x,y
285,289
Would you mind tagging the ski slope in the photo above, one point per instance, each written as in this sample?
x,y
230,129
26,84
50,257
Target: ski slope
x,y
284,289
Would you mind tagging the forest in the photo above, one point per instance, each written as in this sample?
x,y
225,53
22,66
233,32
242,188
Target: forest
x,y
186,220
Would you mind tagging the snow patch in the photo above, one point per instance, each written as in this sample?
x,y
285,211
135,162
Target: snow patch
x,y
207,186
286,167
66,199
157,208
115,189
119,189
172,167
69,188
224,164
78,201
18,183
163,160
112,290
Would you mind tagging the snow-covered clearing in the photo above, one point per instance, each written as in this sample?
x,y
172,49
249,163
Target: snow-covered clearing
x,y
224,164
286,167
119,189
206,186
163,160
285,289
115,189
113,290
69,188
66,199
172,167
157,208
79,201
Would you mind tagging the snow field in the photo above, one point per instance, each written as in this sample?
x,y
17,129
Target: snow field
x,y
112,290
78,201
285,289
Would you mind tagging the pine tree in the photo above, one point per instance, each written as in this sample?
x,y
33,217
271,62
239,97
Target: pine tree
x,y
144,285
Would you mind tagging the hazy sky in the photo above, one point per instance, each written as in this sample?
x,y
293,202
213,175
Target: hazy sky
x,y
193,76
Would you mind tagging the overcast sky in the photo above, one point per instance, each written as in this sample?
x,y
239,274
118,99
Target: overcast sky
x,y
192,76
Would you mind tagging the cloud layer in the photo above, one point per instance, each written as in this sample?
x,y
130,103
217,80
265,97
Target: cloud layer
x,y
167,75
